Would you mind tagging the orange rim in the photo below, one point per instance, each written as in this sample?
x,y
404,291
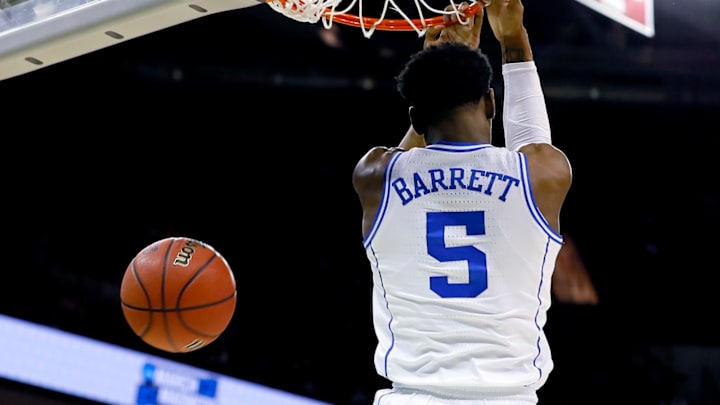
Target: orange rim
x,y
398,24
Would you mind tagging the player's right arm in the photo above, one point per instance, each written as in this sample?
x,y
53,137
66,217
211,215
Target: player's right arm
x,y
367,180
525,118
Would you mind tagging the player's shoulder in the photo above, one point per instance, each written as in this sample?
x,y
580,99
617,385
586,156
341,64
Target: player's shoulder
x,y
541,148
548,162
544,152
374,161
380,153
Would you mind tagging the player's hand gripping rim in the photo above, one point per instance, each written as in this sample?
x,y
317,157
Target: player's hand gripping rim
x,y
456,27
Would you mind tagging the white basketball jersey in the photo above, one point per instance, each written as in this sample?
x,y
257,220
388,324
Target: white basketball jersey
x,y
462,261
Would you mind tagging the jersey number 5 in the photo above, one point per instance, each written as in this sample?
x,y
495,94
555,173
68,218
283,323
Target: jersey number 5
x,y
474,223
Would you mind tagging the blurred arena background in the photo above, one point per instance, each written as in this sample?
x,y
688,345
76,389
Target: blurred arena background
x,y
242,128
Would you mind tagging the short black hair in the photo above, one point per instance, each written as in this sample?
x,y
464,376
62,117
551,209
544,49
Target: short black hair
x,y
443,77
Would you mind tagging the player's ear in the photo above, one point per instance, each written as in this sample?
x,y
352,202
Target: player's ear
x,y
490,108
417,121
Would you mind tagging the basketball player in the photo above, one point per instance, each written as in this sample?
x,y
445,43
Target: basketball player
x,y
462,236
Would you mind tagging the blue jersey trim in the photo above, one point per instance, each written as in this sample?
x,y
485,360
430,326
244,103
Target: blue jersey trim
x,y
458,146
382,208
537,312
390,321
532,205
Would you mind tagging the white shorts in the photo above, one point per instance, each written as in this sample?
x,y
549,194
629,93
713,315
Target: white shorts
x,y
408,397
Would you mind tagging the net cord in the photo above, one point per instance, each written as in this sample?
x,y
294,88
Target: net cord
x,y
312,11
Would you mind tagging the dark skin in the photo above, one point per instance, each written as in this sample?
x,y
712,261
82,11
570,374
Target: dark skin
x,y
571,282
550,171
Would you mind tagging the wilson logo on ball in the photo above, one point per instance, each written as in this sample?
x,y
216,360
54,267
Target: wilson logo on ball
x,y
195,344
185,254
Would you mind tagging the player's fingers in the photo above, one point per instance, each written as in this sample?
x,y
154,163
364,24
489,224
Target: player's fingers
x,y
449,17
461,11
432,36
477,20
433,33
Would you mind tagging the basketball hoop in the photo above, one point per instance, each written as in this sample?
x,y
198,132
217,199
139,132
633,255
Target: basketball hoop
x,y
312,11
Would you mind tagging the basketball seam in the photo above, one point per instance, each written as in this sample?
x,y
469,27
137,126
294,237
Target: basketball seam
x,y
178,309
186,286
166,321
147,298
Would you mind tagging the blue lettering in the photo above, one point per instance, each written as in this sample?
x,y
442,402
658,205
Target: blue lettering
x,y
475,176
436,177
492,177
481,181
419,186
511,181
401,189
456,178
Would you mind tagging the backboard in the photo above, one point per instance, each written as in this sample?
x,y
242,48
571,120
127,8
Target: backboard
x,y
38,33
637,15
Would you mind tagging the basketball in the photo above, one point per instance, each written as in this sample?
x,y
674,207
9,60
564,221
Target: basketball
x,y
178,294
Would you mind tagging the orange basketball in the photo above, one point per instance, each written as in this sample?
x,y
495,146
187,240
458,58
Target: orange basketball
x,y
178,294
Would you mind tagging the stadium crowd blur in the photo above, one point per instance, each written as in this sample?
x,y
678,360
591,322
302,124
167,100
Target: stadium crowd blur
x,y
204,131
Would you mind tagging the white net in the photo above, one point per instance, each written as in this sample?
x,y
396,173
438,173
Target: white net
x,y
310,11
313,11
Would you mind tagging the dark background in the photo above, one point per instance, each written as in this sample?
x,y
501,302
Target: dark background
x,y
242,129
